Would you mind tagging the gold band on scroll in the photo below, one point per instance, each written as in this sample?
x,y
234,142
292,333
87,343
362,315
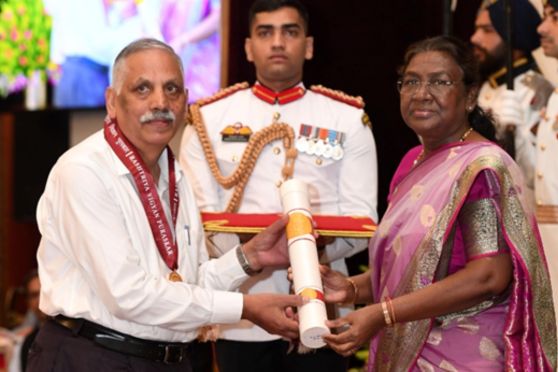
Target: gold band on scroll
x,y
299,224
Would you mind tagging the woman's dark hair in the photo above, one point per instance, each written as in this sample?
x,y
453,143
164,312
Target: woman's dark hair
x,y
463,56
260,6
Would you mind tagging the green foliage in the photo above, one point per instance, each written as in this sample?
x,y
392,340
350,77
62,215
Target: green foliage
x,y
24,38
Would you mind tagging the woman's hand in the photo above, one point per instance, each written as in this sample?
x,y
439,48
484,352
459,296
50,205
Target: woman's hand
x,y
337,287
355,329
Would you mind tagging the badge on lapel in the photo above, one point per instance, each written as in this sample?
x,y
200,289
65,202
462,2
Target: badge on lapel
x,y
236,133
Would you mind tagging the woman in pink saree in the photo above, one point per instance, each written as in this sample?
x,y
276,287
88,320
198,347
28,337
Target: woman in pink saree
x,y
457,278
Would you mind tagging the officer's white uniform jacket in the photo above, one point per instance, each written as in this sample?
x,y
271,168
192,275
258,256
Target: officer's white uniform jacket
x,y
533,91
546,189
337,187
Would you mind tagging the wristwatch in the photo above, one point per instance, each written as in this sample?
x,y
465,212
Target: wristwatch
x,y
244,262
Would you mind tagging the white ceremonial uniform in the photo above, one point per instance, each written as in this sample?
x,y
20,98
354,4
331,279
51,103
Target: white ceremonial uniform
x,y
533,97
98,259
347,186
546,190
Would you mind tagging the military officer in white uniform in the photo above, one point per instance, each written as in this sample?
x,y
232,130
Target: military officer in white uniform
x,y
336,158
520,107
546,176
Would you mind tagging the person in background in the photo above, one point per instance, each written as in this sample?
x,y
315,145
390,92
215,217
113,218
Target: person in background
x,y
516,112
86,36
191,27
546,178
123,265
458,278
32,285
335,155
17,339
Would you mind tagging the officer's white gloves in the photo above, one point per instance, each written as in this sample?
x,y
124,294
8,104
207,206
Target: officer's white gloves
x,y
510,112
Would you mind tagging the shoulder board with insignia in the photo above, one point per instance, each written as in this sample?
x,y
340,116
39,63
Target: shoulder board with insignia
x,y
338,95
542,88
225,92
366,120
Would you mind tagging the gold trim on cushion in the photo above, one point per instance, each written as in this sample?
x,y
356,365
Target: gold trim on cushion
x,y
547,214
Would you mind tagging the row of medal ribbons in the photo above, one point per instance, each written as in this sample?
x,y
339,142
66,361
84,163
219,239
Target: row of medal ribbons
x,y
320,142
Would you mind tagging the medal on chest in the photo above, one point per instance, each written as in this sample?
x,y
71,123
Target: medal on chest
x,y
162,230
303,138
174,276
321,142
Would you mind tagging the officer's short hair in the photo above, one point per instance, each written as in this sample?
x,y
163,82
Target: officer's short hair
x,y
260,6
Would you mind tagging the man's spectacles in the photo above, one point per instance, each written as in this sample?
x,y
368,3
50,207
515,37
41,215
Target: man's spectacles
x,y
435,87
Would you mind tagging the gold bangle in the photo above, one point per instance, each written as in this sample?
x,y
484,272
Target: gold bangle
x,y
355,291
385,310
391,310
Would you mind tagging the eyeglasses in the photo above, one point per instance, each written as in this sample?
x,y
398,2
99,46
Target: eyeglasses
x,y
435,87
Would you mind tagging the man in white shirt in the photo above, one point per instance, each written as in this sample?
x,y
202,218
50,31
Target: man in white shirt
x,y
122,260
336,158
515,111
546,170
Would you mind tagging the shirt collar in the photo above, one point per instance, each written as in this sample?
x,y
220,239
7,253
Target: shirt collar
x,y
282,98
520,66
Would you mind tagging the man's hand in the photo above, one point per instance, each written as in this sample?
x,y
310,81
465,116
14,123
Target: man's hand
x,y
273,312
322,241
268,248
245,237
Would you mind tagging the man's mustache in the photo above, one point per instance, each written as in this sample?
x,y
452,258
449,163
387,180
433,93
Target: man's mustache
x,y
477,48
164,115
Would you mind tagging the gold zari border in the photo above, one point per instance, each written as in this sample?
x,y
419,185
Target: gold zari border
x,y
400,345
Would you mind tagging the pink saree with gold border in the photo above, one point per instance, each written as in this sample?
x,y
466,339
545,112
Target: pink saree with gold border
x,y
463,202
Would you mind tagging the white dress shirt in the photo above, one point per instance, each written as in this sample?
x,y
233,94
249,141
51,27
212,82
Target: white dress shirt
x,y
98,259
337,187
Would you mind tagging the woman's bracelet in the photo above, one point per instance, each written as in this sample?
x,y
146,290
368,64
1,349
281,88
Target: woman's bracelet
x,y
387,317
355,291
391,310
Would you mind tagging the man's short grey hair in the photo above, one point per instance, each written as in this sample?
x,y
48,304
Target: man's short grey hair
x,y
134,47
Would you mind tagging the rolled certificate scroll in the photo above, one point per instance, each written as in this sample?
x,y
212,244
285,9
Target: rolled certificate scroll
x,y
303,255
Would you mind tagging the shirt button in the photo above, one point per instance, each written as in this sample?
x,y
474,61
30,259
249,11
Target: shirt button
x,y
278,183
539,202
539,175
234,158
276,150
543,147
319,161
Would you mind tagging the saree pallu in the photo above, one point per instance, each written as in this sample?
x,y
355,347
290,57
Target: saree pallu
x,y
415,239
